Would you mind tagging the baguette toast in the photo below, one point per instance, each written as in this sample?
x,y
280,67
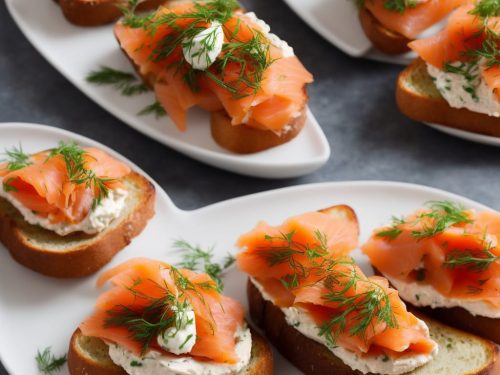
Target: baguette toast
x,y
89,356
419,99
460,353
99,12
385,40
78,254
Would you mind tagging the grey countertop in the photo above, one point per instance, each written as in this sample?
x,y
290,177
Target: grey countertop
x,y
353,99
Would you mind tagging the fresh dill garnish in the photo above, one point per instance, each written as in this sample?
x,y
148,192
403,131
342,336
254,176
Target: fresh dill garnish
x,y
399,5
155,109
127,83
48,363
17,158
146,321
79,174
338,275
393,232
472,260
197,259
442,215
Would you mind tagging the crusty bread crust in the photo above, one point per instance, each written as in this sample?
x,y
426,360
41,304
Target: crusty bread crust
x,y
434,109
99,12
89,256
311,357
243,139
488,328
383,39
82,359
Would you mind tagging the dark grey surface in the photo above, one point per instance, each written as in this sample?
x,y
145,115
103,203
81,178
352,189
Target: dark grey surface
x,y
352,99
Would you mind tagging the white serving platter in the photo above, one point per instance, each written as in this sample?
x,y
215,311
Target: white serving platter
x,y
37,311
75,51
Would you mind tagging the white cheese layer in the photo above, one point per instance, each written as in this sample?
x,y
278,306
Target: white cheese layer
x,y
155,363
377,364
202,50
181,338
420,294
460,92
96,221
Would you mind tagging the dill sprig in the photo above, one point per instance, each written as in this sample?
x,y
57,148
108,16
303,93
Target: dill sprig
x,y
48,363
472,260
155,109
339,275
17,158
73,156
442,215
197,259
127,83
146,322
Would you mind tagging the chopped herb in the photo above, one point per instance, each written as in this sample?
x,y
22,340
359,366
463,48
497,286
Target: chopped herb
x,y
73,156
155,109
48,363
127,83
17,158
197,259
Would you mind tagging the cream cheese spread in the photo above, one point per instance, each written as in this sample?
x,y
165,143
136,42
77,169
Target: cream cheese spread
x,y
202,50
156,363
470,92
96,221
420,294
378,364
181,338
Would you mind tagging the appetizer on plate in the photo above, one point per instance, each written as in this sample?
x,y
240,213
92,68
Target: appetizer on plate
x,y
213,55
325,316
67,211
447,259
163,320
100,12
455,80
392,24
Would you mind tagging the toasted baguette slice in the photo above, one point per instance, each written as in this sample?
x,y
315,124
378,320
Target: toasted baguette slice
x,y
89,356
77,254
458,317
419,99
99,12
383,39
460,353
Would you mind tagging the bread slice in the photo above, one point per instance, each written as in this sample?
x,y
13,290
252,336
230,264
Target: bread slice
x,y
99,12
77,254
460,353
458,317
89,356
419,99
383,39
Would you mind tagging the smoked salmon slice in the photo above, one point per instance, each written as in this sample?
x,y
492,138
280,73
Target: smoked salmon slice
x,y
452,249
412,20
304,263
252,79
141,283
63,184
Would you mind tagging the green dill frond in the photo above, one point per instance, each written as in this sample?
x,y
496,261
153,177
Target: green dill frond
x,y
16,158
47,363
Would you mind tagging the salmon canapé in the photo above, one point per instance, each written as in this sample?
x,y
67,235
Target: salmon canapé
x,y
303,267
410,18
447,247
156,312
212,55
60,188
